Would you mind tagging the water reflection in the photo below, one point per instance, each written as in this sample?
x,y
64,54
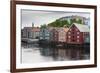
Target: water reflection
x,y
34,53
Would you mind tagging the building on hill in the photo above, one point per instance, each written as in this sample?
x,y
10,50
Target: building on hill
x,y
84,20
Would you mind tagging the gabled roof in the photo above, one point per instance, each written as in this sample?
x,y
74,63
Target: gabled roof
x,y
63,29
81,27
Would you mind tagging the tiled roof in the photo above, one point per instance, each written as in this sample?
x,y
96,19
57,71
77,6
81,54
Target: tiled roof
x,y
82,28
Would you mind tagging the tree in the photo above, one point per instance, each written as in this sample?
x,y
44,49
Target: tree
x,y
67,22
79,21
59,23
43,26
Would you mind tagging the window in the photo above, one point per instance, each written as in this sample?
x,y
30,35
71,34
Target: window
x,y
47,38
28,34
47,34
68,36
77,36
41,37
73,40
77,32
72,32
68,32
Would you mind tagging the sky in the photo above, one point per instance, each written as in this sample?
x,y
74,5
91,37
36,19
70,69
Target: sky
x,y
44,17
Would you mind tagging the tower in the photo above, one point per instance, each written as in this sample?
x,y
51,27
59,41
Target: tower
x,y
32,24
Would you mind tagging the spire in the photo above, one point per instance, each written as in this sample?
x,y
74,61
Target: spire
x,y
32,24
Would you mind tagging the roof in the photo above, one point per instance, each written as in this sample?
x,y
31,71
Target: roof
x,y
35,29
27,28
62,29
82,27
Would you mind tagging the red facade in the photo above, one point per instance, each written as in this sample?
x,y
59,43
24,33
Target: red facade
x,y
74,36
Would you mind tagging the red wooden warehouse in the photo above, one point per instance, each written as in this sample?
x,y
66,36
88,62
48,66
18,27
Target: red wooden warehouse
x,y
78,34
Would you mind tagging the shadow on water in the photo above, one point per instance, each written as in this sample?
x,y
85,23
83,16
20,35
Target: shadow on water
x,y
61,53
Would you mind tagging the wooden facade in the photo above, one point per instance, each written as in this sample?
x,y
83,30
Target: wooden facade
x,y
54,35
62,35
77,34
30,32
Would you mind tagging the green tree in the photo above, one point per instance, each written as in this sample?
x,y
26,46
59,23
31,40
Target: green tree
x,y
61,23
79,21
43,26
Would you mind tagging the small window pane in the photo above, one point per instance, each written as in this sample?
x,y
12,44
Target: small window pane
x,y
77,32
68,32
68,36
77,36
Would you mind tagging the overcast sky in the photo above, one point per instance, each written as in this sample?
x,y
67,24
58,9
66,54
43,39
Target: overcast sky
x,y
44,17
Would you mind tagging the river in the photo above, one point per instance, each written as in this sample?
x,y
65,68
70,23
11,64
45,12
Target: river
x,y
33,53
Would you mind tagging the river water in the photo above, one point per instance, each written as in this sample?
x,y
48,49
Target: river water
x,y
33,53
